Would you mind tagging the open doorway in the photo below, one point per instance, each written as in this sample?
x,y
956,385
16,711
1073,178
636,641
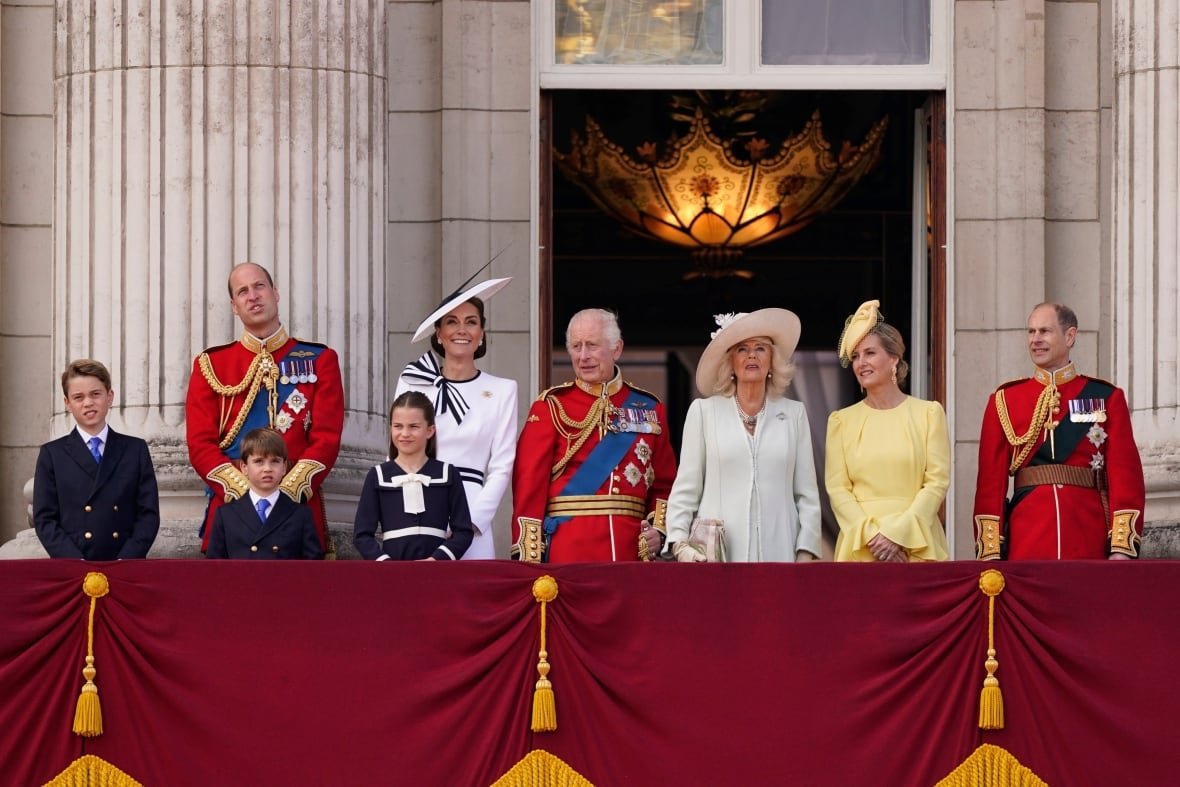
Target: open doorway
x,y
882,240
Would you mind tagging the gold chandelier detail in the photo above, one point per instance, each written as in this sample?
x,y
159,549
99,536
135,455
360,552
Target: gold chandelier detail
x,y
698,194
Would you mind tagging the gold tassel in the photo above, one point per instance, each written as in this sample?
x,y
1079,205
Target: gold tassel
x,y
544,706
88,714
991,701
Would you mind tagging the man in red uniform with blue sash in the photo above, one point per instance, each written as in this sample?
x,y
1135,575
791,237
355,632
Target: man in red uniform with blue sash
x,y
593,464
1065,439
266,378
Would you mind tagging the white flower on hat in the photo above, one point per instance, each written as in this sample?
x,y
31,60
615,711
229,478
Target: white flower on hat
x,y
725,320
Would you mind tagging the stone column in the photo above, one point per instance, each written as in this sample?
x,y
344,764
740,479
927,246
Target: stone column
x,y
190,136
1146,301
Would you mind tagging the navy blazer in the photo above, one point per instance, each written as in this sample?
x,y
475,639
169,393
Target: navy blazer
x,y
96,510
289,532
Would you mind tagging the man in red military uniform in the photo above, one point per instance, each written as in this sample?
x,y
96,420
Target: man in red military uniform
x,y
266,378
1066,441
593,464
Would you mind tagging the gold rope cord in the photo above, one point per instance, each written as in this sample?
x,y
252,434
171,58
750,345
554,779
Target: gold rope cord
x,y
262,370
88,712
576,439
544,707
1047,403
991,701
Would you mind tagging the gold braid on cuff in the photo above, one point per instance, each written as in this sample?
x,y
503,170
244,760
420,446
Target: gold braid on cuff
x,y
1123,538
988,538
297,482
527,549
659,516
231,480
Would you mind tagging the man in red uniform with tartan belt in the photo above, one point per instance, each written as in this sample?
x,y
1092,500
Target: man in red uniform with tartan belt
x,y
266,378
1066,441
593,464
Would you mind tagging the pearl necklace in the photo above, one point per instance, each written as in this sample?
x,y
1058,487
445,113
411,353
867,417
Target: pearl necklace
x,y
749,421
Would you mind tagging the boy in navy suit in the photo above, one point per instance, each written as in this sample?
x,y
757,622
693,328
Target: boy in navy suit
x,y
94,491
264,524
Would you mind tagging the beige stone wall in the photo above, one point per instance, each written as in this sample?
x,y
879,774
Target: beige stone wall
x,y
29,392
459,175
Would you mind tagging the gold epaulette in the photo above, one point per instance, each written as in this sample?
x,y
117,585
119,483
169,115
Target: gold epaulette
x,y
545,394
643,391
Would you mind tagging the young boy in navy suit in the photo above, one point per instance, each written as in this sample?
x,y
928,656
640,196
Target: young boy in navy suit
x,y
264,524
94,491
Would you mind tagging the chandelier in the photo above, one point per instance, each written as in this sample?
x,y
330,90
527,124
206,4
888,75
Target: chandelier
x,y
697,193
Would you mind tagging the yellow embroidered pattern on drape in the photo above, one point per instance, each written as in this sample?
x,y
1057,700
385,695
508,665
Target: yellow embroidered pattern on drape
x,y
542,769
991,766
91,771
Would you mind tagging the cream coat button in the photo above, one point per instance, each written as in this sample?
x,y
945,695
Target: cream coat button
x,y
253,547
87,535
87,509
115,535
275,549
114,508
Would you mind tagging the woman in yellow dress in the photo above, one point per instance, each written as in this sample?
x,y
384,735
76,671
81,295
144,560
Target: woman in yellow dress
x,y
888,456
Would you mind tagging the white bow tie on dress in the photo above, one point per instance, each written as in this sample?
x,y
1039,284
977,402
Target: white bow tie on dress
x,y
411,485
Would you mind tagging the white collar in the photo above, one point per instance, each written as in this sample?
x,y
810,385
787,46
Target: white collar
x,y
103,435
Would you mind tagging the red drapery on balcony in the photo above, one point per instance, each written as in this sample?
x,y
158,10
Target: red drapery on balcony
x,y
234,673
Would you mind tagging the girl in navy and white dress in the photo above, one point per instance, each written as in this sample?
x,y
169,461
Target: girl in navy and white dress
x,y
476,410
416,501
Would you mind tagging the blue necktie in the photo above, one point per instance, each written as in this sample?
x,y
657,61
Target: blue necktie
x,y
262,505
95,443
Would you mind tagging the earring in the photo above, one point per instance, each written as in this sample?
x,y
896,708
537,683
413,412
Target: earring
x,y
895,374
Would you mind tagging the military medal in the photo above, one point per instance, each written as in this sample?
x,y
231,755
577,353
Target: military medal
x,y
284,378
302,373
1087,411
311,375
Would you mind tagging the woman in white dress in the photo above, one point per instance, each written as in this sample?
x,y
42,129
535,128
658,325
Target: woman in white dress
x,y
475,411
746,455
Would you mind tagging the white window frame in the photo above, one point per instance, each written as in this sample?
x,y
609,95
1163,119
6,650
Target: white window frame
x,y
740,67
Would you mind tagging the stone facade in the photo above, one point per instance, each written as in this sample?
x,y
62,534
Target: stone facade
x,y
1063,186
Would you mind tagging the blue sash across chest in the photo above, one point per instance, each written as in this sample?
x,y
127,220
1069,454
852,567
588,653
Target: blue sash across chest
x,y
605,456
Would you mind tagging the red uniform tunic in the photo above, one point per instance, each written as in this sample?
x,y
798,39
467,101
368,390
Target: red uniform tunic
x,y
605,525
1052,520
308,412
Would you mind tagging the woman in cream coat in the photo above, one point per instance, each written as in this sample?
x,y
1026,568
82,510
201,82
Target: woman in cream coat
x,y
746,456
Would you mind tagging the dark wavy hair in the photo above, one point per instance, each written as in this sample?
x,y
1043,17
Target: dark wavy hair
x,y
414,400
481,350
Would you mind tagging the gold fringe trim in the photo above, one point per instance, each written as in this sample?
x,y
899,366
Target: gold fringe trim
x,y
541,769
544,705
88,713
92,771
991,766
991,702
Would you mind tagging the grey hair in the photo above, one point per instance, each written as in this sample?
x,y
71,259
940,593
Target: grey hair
x,y
1066,317
607,319
782,371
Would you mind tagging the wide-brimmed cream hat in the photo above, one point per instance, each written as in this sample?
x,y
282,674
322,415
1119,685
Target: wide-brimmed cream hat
x,y
779,325
484,290
867,317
